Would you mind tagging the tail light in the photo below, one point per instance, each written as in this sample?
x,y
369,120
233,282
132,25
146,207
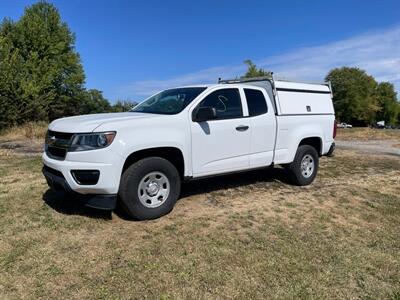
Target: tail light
x,y
334,129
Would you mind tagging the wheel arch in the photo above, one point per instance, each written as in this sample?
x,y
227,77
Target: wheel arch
x,y
313,141
172,154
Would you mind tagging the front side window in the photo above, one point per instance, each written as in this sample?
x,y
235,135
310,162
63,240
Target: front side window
x,y
169,102
255,102
226,102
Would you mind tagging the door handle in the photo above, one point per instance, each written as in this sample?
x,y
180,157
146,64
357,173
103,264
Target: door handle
x,y
242,128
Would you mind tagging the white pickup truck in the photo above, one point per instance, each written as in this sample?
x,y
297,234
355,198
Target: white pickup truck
x,y
142,156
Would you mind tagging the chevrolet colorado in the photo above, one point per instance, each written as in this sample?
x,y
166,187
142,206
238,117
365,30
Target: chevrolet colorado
x,y
141,157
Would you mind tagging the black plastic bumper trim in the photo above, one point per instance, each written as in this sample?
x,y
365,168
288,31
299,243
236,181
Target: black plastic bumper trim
x,y
331,150
86,177
99,201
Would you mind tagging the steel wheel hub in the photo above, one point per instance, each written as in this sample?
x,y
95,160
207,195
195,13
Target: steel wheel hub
x,y
153,189
307,166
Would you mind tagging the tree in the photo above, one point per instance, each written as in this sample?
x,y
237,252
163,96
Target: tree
x,y
93,102
123,105
253,71
11,68
40,72
354,95
389,107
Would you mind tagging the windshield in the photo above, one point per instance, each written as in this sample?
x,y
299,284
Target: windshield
x,y
169,102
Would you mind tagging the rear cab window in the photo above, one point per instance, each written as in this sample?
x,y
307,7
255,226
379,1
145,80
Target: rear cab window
x,y
256,102
227,103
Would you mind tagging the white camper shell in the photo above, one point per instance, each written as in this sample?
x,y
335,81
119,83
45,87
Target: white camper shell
x,y
293,98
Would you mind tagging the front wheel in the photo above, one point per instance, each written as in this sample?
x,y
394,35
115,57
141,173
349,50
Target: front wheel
x,y
304,167
149,188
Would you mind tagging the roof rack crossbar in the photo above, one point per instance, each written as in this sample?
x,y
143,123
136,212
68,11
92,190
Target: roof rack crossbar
x,y
270,78
244,79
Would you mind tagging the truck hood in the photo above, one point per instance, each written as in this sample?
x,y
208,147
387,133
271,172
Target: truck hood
x,y
88,123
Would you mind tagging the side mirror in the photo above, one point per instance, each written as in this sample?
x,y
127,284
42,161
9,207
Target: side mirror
x,y
204,114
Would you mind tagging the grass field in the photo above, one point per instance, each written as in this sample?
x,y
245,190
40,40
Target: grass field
x,y
240,236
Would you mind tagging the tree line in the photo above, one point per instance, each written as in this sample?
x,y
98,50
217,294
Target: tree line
x,y
42,78
359,99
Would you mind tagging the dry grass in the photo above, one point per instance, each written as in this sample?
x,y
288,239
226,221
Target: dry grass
x,y
31,130
241,236
365,134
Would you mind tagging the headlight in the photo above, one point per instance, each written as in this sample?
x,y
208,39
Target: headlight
x,y
91,141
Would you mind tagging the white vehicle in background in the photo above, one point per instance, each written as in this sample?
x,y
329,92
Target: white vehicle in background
x,y
344,125
141,157
380,124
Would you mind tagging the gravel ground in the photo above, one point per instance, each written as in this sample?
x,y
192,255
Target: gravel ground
x,y
387,147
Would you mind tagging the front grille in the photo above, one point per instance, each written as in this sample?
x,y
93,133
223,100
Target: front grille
x,y
60,135
57,153
57,144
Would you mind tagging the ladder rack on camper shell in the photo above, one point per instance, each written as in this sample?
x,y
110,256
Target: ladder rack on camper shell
x,y
271,79
292,97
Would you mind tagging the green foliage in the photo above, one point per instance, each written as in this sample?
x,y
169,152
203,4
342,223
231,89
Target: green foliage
x,y
40,72
253,71
359,99
11,68
41,76
390,108
93,102
40,63
123,105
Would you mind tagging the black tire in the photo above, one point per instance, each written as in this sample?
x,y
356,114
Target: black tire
x,y
295,168
130,180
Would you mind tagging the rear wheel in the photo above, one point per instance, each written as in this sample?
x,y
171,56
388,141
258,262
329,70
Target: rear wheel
x,y
304,167
149,188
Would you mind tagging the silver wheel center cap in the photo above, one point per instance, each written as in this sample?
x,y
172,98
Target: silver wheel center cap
x,y
307,166
152,188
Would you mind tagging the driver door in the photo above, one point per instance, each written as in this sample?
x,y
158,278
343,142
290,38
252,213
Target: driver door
x,y
222,144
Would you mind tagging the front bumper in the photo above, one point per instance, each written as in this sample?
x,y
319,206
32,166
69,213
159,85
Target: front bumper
x,y
103,193
106,162
56,181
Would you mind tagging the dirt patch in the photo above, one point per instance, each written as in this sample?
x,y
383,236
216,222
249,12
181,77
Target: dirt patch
x,y
22,147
